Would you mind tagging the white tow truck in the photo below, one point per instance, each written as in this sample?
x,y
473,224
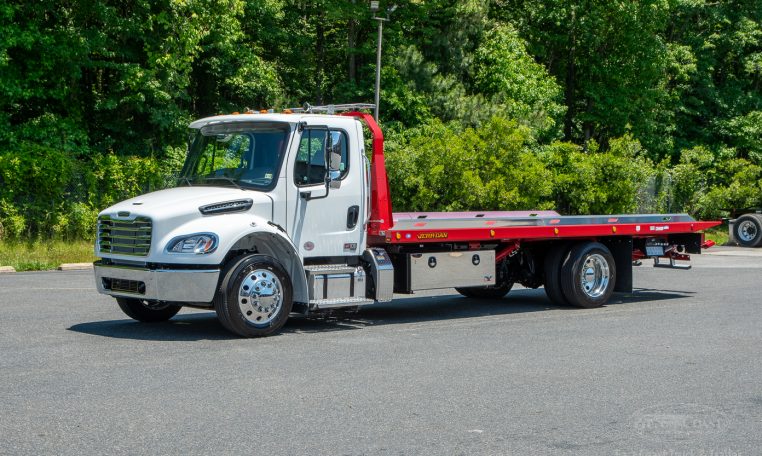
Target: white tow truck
x,y
277,213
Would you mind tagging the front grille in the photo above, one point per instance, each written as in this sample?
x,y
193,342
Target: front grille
x,y
123,285
124,237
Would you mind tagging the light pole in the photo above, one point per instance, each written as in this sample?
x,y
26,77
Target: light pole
x,y
374,9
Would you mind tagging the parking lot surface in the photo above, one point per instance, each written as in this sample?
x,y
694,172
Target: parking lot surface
x,y
671,369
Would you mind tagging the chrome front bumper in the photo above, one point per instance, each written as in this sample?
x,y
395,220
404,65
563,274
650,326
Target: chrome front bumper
x,y
181,285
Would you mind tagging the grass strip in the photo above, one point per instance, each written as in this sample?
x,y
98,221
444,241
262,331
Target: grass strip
x,y
42,255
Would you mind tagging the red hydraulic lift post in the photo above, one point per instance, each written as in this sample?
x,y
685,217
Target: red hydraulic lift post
x,y
381,201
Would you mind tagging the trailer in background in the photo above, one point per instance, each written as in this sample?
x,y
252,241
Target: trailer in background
x,y
746,229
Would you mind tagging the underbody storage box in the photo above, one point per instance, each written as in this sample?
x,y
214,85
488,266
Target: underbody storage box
x,y
433,270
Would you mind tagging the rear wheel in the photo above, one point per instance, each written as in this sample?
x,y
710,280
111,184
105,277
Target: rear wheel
x,y
553,262
147,311
491,292
588,275
255,297
748,230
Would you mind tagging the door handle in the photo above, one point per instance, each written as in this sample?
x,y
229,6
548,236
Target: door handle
x,y
353,213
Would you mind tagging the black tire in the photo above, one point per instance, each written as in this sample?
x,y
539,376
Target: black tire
x,y
553,262
243,310
490,292
584,257
147,311
747,230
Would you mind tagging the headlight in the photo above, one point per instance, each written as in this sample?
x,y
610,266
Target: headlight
x,y
200,243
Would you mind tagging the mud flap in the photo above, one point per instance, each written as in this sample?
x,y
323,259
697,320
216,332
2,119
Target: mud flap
x,y
621,249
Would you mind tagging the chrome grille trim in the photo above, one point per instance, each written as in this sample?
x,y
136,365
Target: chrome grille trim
x,y
124,237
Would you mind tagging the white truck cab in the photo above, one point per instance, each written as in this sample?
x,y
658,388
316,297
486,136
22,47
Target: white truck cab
x,y
288,188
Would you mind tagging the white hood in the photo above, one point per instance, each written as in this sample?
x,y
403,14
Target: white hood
x,y
175,212
182,200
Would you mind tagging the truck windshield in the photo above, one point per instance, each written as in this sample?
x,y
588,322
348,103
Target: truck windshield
x,y
241,154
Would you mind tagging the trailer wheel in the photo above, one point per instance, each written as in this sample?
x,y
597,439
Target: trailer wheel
x,y
147,311
588,275
553,261
255,297
748,230
490,292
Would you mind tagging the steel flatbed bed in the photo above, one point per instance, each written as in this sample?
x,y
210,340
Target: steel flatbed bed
x,y
423,227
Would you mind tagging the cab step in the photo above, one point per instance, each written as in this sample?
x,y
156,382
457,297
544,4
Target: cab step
x,y
336,285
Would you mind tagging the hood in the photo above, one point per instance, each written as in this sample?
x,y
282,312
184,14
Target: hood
x,y
180,205
183,200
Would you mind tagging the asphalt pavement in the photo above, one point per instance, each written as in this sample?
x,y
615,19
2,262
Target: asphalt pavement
x,y
674,368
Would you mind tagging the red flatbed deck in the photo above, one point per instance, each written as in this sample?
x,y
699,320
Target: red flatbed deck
x,y
423,227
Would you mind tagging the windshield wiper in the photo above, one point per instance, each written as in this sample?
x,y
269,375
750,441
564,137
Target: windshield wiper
x,y
223,178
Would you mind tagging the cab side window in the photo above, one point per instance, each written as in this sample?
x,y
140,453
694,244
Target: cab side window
x,y
309,168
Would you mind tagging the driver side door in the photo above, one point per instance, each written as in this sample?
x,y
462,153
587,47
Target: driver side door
x,y
320,225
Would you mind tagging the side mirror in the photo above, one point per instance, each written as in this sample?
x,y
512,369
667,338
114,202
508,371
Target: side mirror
x,y
333,151
333,159
334,162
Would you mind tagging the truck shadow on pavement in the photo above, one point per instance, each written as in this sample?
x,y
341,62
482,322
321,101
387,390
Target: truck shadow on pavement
x,y
201,325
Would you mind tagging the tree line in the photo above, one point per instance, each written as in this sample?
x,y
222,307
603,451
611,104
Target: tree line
x,y
581,105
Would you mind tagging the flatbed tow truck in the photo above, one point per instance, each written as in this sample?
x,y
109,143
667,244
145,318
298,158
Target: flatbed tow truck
x,y
281,213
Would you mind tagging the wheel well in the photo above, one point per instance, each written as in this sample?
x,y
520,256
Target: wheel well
x,y
275,246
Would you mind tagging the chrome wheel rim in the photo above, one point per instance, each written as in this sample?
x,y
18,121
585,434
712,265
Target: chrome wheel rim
x,y
747,231
260,297
595,275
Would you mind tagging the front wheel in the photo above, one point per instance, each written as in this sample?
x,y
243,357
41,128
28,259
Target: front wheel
x,y
255,297
147,311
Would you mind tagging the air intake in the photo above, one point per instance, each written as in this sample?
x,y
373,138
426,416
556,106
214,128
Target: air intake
x,y
226,206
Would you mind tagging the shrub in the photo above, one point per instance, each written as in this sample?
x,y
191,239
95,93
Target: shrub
x,y
595,182
443,168
45,192
713,185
